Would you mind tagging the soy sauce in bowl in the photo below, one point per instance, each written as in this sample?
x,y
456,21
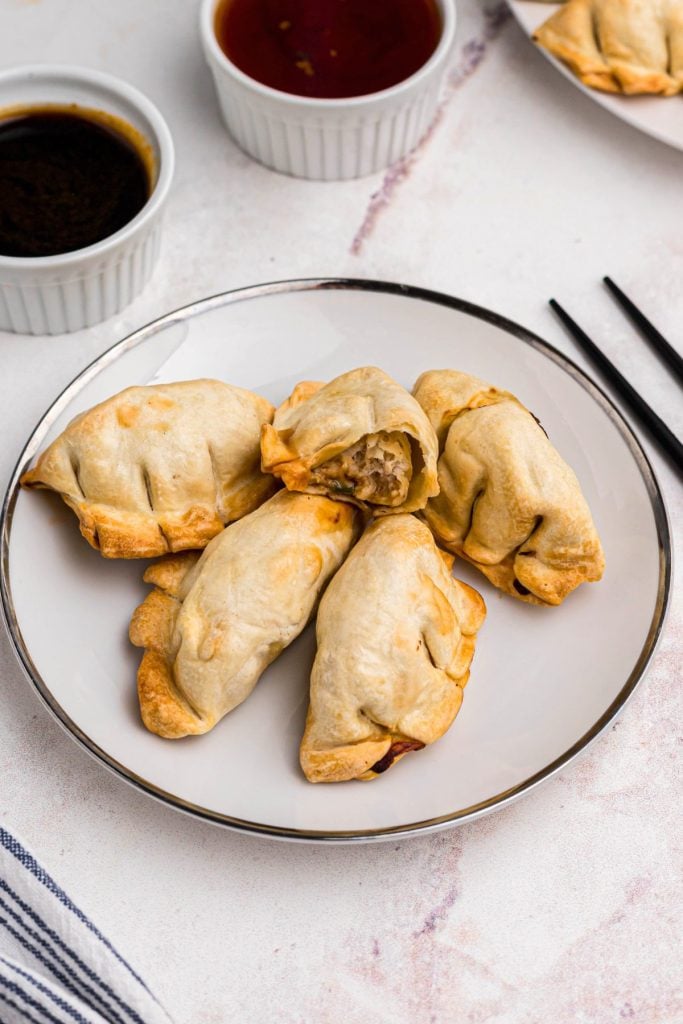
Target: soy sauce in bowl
x,y
328,49
69,178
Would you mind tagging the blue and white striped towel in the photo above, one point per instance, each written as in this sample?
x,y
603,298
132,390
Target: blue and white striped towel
x,y
55,966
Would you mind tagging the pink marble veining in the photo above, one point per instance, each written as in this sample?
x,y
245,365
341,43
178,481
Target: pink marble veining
x,y
471,56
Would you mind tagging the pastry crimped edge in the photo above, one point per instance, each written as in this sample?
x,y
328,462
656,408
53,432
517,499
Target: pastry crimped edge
x,y
276,455
566,576
138,535
355,761
369,758
107,532
163,709
503,576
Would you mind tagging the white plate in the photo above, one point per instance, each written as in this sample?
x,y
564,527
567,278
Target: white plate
x,y
544,683
658,116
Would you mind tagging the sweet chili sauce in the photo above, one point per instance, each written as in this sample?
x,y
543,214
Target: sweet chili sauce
x,y
68,178
328,48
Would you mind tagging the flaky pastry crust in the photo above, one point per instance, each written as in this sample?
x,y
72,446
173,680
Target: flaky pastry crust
x,y
159,468
629,46
326,436
214,623
508,502
396,635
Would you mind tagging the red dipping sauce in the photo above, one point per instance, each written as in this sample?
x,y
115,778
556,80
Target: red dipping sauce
x,y
329,49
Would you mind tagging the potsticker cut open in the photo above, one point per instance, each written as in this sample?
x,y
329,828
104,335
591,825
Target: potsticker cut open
x,y
361,438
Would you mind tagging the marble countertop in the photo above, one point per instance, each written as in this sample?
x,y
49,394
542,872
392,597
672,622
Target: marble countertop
x,y
561,907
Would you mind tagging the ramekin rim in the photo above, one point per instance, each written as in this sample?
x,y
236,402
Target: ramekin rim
x,y
317,103
163,138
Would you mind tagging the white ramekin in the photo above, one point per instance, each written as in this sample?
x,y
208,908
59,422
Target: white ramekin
x,y
326,139
57,294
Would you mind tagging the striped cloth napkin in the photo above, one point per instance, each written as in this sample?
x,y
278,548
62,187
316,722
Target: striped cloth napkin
x,y
56,967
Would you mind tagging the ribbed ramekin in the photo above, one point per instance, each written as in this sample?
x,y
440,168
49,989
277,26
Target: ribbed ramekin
x,y
326,139
58,294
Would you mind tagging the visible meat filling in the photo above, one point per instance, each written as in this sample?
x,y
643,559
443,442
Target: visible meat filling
x,y
377,469
396,750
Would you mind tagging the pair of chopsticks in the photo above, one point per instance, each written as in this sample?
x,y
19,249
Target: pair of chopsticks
x,y
666,439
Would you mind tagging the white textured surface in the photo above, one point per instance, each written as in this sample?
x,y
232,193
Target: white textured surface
x,y
561,908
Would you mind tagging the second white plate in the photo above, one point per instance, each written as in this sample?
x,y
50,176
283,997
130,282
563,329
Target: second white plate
x,y
658,116
544,682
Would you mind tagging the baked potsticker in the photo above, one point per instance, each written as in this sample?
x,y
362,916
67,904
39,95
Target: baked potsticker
x,y
361,438
216,621
396,635
159,468
508,502
629,46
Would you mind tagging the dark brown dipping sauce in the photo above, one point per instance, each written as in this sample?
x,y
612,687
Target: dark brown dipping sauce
x,y
66,181
328,49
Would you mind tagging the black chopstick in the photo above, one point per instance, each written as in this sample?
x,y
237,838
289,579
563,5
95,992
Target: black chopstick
x,y
648,330
659,430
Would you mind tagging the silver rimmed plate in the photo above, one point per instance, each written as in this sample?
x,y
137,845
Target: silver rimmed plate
x,y
657,116
545,682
